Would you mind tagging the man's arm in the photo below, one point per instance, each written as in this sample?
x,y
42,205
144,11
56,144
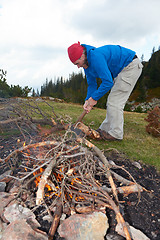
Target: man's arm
x,y
88,105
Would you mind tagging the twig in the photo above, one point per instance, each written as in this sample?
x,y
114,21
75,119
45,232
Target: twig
x,y
106,163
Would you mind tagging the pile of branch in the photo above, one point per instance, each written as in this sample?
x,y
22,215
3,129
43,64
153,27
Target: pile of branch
x,y
25,114
153,118
71,173
75,172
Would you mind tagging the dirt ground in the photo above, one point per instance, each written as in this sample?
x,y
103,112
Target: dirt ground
x,y
143,214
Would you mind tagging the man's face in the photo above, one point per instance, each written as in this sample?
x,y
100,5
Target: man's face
x,y
81,62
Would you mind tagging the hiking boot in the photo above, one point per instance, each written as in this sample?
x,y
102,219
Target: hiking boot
x,y
106,136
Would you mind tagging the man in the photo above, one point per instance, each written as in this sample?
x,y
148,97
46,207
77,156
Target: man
x,y
119,69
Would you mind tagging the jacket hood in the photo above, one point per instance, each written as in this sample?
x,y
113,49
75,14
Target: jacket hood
x,y
88,49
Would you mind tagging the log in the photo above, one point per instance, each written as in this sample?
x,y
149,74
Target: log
x,y
126,190
57,216
43,181
88,131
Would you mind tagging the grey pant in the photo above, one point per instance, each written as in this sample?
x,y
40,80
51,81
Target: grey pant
x,y
120,92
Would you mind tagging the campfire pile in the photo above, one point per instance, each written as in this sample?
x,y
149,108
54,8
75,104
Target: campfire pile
x,y
67,175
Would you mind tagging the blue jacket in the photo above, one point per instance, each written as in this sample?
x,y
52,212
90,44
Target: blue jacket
x,y
106,63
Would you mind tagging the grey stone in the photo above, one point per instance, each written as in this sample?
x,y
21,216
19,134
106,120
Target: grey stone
x,y
84,226
2,186
19,229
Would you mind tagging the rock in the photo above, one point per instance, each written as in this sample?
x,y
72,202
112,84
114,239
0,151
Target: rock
x,y
145,106
114,236
16,211
135,233
4,177
137,165
19,229
2,186
5,198
2,227
84,226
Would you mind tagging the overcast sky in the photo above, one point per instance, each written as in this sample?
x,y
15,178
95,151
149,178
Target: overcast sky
x,y
35,34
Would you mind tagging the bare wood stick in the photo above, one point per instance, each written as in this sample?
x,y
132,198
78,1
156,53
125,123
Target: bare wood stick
x,y
81,117
40,144
57,216
88,131
126,181
104,160
126,190
44,178
43,181
11,120
130,189
30,173
119,217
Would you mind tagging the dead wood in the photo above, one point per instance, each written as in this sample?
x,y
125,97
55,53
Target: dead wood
x,y
153,120
88,131
45,176
28,113
57,216
119,217
71,175
105,162
11,120
43,181
33,145
126,190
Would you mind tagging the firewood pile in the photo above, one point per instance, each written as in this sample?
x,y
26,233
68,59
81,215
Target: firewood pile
x,y
69,173
153,120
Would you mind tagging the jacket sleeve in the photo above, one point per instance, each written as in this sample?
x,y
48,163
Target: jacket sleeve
x,y
92,86
103,72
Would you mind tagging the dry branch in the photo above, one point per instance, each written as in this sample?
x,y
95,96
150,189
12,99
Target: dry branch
x,y
57,216
45,176
88,131
71,174
105,162
33,145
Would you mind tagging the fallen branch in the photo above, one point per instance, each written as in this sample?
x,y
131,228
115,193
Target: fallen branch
x,y
57,216
45,176
88,131
33,145
110,201
105,162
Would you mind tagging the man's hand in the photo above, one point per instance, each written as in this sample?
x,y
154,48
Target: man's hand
x,y
88,105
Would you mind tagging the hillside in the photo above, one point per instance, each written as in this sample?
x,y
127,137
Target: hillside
x,y
148,85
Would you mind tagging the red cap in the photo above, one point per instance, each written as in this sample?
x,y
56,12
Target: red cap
x,y
75,52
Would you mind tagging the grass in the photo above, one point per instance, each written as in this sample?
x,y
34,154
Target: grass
x,y
137,143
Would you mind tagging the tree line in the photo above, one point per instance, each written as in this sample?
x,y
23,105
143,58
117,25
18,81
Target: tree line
x,y
74,89
7,91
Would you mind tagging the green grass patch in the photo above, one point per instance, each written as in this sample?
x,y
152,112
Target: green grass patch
x,y
10,132
137,143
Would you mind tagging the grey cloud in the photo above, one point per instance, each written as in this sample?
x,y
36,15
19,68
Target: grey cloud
x,y
45,52
117,20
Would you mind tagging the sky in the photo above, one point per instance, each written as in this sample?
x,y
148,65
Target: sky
x,y
35,34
